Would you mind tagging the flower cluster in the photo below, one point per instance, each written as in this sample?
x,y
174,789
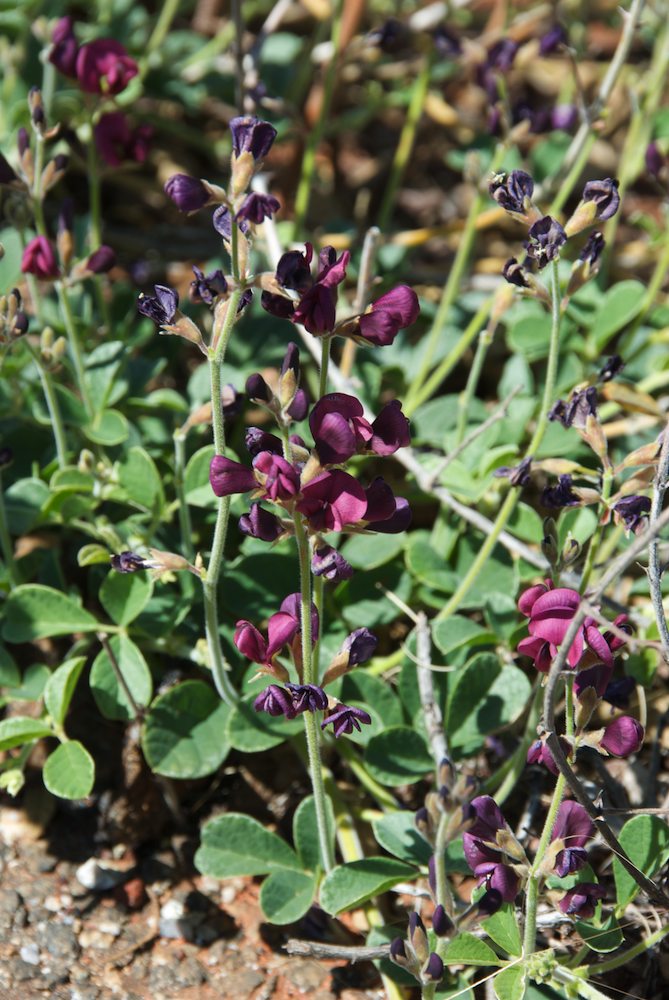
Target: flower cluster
x,y
99,67
413,952
493,854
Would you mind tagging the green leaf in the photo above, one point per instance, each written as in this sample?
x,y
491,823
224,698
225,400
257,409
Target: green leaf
x,y
646,841
510,983
370,551
363,687
125,595
305,832
468,688
36,612
69,771
233,844
140,479
251,732
109,427
465,949
182,736
361,600
351,885
504,700
459,631
92,554
24,500
108,692
428,567
398,756
10,675
32,685
286,896
60,688
503,928
396,833
196,478
601,935
621,304
20,729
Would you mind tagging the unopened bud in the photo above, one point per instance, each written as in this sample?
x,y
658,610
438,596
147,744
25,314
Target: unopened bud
x,y
36,107
549,543
418,938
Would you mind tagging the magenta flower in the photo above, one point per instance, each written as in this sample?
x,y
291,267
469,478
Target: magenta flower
x,y
250,642
330,564
227,476
260,523
101,260
390,430
104,67
622,737
345,718
117,141
573,828
39,259
276,476
332,500
282,628
394,311
550,617
275,700
65,47
188,193
582,899
539,753
340,429
316,310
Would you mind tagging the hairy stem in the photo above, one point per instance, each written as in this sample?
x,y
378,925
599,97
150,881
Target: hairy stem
x,y
185,524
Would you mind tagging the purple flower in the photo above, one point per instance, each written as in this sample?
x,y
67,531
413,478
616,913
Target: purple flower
x,y
398,952
654,159
332,500
222,223
605,196
390,430
573,828
7,172
39,259
433,970
308,698
611,369
228,477
550,618
502,54
294,270
389,37
161,307
128,562
257,440
545,238
398,521
117,141
251,135
299,408
65,47
592,250
446,42
275,700
250,642
513,192
389,314
381,503
540,754
260,523
518,475
360,646
101,260
316,310
258,207
552,40
575,413
624,736
618,692
345,718
631,512
338,427
207,288
516,274
442,925
596,677
104,67
582,899
188,193
330,564
483,855
291,608
561,495
564,116
279,479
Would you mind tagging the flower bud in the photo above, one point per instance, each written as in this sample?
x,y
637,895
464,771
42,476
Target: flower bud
x,y
418,938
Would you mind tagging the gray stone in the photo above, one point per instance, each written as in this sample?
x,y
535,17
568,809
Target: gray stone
x,y
306,976
240,984
60,940
30,953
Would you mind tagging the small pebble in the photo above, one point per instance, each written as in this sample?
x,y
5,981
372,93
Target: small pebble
x,y
30,953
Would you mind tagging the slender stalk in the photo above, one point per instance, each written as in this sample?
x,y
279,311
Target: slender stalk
x,y
444,895
452,286
407,139
311,727
315,135
595,541
325,361
6,542
185,524
75,349
535,878
52,406
38,208
464,402
512,497
364,277
137,711
163,23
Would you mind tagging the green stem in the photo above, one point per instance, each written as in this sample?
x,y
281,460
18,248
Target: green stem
x,y
512,497
311,727
54,409
210,581
452,286
325,361
406,141
445,367
464,402
75,349
377,791
595,541
6,542
161,27
185,524
534,880
314,137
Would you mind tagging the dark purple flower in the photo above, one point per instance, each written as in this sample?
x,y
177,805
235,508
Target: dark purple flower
x,y
104,67
294,270
442,925
564,116
490,902
398,952
433,970
501,55
188,193
39,259
344,719
128,562
618,692
592,250
484,857
330,564
596,677
545,238
117,141
338,427
582,899
308,698
257,440
622,737
631,512
518,475
7,172
6,459
540,754
513,192
654,159
390,430
257,389
611,369
207,288
228,477
332,500
360,646
573,828
316,310
560,495
222,223
250,642
291,608
101,260
381,502
605,195
575,413
251,135
446,42
398,521
279,479
275,700
161,307
389,36
623,624
516,274
260,523
258,207
65,47
552,40
389,314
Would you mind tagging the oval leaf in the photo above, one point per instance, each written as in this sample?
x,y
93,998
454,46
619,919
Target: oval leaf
x,y
305,832
69,771
238,845
646,841
22,729
503,928
60,688
465,949
286,896
36,612
348,886
510,983
398,756
182,736
125,595
110,695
